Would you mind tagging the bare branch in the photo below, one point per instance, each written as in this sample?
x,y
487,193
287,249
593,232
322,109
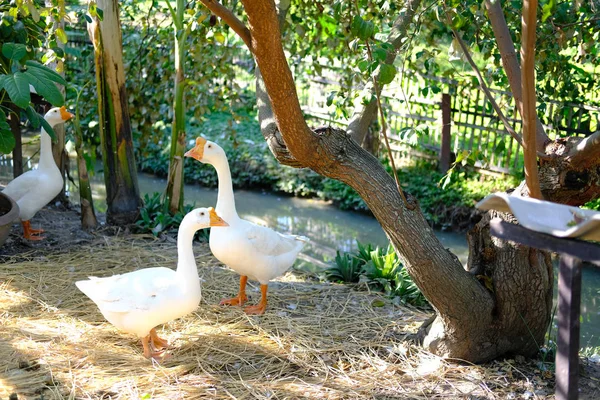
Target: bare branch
x,y
528,22
511,64
485,88
230,19
364,115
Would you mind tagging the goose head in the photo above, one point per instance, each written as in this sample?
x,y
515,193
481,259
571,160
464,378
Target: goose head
x,y
205,151
57,115
201,218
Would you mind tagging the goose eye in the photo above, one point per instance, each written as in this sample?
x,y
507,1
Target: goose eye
x,y
202,213
210,146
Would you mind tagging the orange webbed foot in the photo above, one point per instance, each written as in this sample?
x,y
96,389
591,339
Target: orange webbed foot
x,y
234,301
261,306
150,351
257,309
158,343
31,234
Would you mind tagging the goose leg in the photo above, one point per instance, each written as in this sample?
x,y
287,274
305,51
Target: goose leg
x,y
262,305
157,342
241,298
146,344
29,232
149,347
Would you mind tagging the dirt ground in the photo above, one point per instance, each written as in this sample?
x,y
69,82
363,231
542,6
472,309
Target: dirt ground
x,y
317,339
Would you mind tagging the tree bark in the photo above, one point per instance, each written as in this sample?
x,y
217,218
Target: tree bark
x,y
120,174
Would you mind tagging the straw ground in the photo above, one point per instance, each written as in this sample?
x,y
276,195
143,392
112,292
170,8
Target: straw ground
x,y
318,340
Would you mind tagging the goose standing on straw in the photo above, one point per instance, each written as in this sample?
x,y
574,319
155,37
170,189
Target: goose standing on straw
x,y
253,251
138,301
36,188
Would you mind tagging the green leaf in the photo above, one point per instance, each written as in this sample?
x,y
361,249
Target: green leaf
x,y
377,303
14,51
330,97
219,37
379,54
33,117
61,35
548,9
500,147
361,28
17,87
7,139
48,128
44,87
363,65
40,70
387,72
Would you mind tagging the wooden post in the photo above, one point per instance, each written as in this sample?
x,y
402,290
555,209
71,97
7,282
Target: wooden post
x,y
569,299
444,159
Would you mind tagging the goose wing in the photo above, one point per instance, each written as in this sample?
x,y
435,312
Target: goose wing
x,y
269,242
138,290
23,184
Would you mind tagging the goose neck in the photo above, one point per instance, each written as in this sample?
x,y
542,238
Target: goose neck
x,y
186,263
225,200
46,157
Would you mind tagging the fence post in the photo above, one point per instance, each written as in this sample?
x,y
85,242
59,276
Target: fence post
x,y
444,160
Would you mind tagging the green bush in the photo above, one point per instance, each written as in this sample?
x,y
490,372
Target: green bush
x,y
379,269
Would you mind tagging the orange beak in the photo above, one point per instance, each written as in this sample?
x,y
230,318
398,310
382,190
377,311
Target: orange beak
x,y
215,220
198,151
65,115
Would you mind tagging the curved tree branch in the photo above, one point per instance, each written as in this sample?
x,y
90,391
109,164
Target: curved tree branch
x,y
364,115
230,19
511,64
333,153
268,126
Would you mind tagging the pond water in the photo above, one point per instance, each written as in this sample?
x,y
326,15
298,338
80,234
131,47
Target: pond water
x,y
329,229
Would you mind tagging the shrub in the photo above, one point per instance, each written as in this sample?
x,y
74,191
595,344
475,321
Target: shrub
x,y
380,270
156,219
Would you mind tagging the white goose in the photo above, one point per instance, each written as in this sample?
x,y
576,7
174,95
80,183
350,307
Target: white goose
x,y
36,188
253,251
138,301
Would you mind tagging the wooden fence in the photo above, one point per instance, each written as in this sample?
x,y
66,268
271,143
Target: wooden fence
x,y
413,104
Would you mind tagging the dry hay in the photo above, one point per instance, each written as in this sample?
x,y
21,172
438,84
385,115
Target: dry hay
x,y
315,340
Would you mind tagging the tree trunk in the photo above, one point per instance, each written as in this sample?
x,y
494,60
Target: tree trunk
x,y
120,175
175,177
